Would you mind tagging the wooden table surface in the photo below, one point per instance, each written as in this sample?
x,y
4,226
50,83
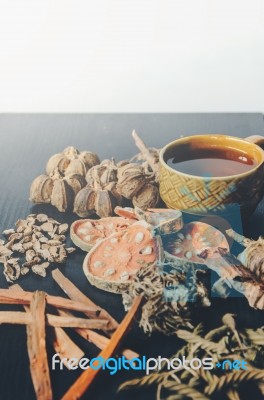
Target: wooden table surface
x,y
27,141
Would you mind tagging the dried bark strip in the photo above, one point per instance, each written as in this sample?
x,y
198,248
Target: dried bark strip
x,y
76,295
36,342
6,297
85,380
62,343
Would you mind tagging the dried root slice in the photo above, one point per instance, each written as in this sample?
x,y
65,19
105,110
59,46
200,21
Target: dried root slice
x,y
193,239
85,233
112,263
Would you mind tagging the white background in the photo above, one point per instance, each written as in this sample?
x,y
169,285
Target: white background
x,y
131,55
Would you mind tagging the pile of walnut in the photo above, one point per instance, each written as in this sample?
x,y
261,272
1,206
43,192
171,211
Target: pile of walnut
x,y
38,240
77,180
109,183
64,178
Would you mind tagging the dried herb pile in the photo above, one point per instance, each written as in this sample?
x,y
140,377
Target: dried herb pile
x,y
220,344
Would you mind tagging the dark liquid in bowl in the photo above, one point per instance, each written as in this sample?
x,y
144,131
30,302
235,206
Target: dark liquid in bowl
x,y
209,162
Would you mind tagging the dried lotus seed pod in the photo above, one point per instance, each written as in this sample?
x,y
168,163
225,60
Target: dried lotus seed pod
x,y
76,182
147,197
90,159
84,203
57,161
62,195
41,189
76,166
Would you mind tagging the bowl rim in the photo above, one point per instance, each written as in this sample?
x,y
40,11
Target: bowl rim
x,y
211,136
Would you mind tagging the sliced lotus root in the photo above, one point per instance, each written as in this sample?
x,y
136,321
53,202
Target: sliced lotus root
x,y
192,239
164,220
112,263
85,233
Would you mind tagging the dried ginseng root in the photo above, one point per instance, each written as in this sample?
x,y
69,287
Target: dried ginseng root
x,y
33,244
112,264
192,239
85,233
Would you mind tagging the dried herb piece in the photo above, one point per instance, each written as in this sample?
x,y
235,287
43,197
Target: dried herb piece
x,y
220,344
38,241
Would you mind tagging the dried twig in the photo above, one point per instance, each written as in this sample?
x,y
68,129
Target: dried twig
x,y
145,153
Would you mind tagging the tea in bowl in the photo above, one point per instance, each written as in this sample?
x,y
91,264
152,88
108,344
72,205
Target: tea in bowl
x,y
211,173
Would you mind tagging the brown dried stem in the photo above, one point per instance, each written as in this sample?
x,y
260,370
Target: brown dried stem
x,y
145,152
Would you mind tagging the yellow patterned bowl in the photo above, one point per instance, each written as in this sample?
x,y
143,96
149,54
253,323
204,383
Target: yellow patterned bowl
x,y
200,195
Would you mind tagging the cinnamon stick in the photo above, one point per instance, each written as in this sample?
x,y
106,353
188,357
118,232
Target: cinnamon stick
x,y
63,345
24,318
7,297
76,295
87,377
36,342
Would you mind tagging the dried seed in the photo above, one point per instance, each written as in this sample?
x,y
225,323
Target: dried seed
x,y
47,227
30,254
27,246
146,251
53,251
109,272
44,265
37,269
18,247
8,232
63,228
70,250
98,264
43,239
16,236
4,251
28,231
42,217
188,254
13,261
24,270
139,237
124,276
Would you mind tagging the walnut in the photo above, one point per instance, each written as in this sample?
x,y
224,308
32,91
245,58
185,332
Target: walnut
x,y
65,178
131,178
100,196
71,161
147,197
41,189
